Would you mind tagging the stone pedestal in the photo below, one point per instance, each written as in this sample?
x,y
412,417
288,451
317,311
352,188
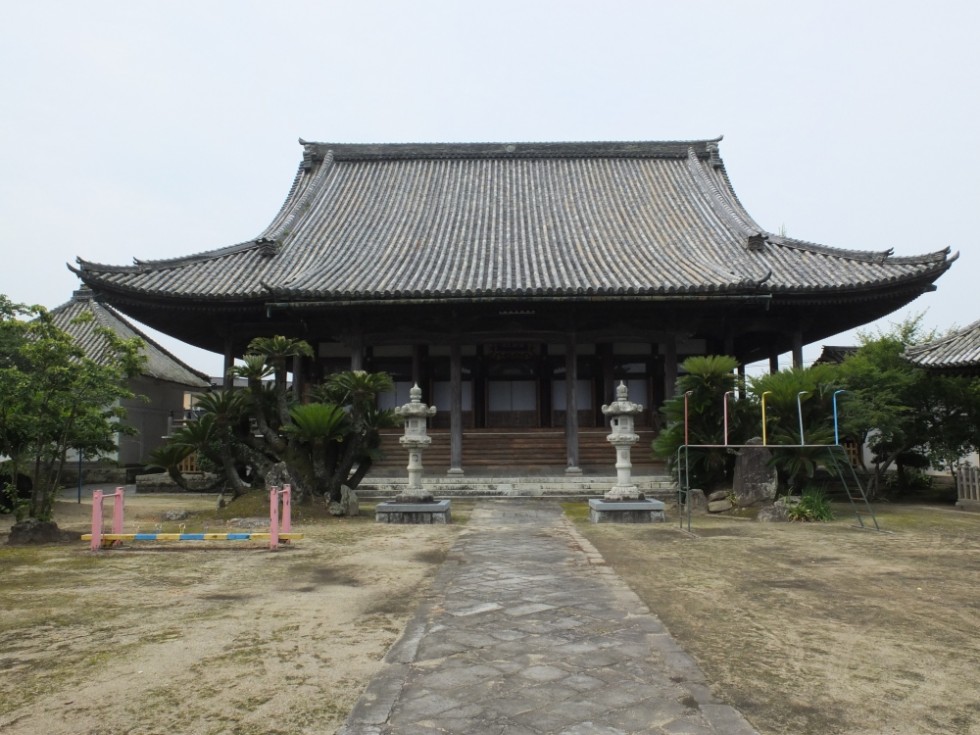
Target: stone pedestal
x,y
436,511
626,511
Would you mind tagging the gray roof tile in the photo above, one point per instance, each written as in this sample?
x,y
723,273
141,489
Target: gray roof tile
x,y
160,364
957,351
416,221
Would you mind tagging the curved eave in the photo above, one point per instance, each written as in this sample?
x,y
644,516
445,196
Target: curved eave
x,y
109,282
958,351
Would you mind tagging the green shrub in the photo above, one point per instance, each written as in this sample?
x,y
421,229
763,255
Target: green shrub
x,y
813,506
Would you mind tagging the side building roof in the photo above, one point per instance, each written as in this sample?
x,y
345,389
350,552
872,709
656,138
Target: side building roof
x,y
956,352
160,364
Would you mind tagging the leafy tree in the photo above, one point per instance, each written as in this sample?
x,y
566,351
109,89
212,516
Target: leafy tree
x,y
220,438
900,411
53,398
707,379
784,408
326,443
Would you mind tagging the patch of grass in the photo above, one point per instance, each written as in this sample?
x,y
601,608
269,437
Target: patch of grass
x,y
577,512
863,618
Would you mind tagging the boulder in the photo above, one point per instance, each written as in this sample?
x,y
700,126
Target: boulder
x,y
719,506
718,495
778,512
755,481
33,531
697,500
348,505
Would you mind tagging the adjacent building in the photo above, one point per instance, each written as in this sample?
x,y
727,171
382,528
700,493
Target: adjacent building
x,y
160,389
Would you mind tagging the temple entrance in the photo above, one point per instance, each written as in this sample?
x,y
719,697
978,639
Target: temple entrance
x,y
522,385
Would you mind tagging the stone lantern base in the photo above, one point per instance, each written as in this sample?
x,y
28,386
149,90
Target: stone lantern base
x,y
393,511
626,511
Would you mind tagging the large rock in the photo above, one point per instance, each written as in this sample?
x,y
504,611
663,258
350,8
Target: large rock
x,y
778,512
720,506
33,531
699,504
755,481
349,505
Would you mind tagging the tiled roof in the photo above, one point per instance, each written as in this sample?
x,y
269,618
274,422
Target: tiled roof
x,y
835,354
955,352
160,364
546,220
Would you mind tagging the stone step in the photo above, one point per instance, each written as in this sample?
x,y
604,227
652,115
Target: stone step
x,y
654,486
541,451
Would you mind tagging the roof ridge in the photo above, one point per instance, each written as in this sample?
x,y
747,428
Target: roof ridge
x,y
705,148
867,256
301,205
141,266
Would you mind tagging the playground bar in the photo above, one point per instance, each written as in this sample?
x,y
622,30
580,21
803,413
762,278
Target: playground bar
x,y
280,527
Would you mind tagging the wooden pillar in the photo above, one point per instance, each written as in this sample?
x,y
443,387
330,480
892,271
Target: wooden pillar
x,y
773,361
670,367
226,379
797,348
571,407
455,409
298,377
480,389
417,356
544,386
607,383
357,352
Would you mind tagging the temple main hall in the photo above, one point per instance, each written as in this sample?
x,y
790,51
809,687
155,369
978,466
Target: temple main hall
x,y
517,284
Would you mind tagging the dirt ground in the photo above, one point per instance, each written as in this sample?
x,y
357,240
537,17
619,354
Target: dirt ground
x,y
806,628
821,628
203,637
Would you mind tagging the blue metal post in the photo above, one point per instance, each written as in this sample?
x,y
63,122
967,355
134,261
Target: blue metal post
x,y
836,431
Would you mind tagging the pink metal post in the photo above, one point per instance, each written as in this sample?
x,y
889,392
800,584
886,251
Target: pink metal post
x,y
96,542
274,517
287,511
118,508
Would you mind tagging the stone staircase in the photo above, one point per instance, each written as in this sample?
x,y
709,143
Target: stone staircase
x,y
657,486
526,452
512,463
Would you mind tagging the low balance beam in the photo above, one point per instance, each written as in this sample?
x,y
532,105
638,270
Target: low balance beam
x,y
280,524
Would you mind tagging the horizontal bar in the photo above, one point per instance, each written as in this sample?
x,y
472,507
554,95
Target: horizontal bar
x,y
262,536
766,446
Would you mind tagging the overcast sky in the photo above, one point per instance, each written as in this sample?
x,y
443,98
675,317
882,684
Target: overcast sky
x,y
159,129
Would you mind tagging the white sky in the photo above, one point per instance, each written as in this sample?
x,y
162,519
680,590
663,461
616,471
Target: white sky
x,y
158,129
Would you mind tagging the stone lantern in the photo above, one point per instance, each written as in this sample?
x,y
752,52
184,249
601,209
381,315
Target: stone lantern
x,y
416,438
621,414
624,503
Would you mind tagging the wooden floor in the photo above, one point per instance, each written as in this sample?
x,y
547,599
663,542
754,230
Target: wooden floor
x,y
526,451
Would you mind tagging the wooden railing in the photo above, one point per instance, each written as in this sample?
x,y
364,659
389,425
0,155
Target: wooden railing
x,y
968,486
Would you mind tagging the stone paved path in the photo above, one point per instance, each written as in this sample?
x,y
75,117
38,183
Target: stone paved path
x,y
526,631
